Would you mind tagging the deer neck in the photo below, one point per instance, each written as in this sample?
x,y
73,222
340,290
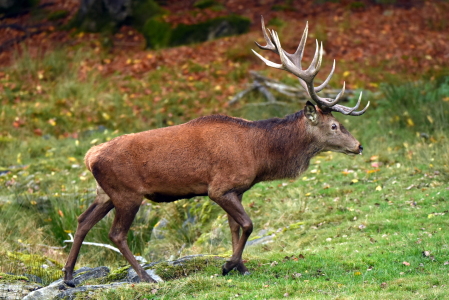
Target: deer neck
x,y
286,149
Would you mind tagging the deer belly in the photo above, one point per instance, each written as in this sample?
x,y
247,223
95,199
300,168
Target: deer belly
x,y
158,197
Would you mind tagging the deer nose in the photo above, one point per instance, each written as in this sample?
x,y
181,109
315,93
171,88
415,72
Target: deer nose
x,y
360,149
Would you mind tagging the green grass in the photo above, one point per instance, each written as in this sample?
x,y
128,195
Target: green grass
x,y
349,228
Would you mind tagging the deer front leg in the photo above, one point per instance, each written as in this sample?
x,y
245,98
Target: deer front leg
x,y
235,228
235,231
231,203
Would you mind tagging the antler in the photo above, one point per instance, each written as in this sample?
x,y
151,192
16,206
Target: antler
x,y
292,63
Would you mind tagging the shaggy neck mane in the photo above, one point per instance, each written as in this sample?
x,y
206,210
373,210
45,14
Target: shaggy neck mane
x,y
286,147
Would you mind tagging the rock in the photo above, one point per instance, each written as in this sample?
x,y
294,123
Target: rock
x,y
54,289
17,290
71,293
159,230
263,240
90,273
33,278
181,260
48,292
132,275
126,275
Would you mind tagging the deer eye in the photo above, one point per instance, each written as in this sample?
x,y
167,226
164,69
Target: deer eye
x,y
334,127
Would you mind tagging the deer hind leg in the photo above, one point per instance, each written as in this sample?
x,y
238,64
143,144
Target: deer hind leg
x,y
96,211
238,218
124,216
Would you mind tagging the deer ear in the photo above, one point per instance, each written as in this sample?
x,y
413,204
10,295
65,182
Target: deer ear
x,y
310,113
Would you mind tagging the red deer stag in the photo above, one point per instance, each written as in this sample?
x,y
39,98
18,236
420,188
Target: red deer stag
x,y
216,156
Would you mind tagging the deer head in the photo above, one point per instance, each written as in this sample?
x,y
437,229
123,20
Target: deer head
x,y
321,123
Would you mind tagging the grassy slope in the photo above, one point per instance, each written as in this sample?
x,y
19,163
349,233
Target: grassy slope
x,y
361,223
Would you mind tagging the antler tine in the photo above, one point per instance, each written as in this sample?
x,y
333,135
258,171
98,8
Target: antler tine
x,y
343,109
314,67
351,111
324,84
297,56
287,63
270,46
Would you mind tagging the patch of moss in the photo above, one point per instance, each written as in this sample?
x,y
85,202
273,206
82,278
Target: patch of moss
x,y
57,15
144,10
157,33
212,29
170,271
296,225
117,274
47,269
204,3
9,277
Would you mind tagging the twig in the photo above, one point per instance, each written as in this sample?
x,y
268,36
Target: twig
x,y
93,244
139,258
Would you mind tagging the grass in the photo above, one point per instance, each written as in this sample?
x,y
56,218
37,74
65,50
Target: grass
x,y
349,228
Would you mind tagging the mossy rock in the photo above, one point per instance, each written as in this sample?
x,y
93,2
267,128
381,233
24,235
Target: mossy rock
x,y
144,10
157,33
45,268
209,30
117,274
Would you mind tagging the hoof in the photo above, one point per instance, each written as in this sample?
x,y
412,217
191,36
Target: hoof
x,y
69,283
242,269
229,266
224,271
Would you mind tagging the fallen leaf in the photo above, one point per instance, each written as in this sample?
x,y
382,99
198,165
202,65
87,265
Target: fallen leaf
x,y
37,132
374,157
